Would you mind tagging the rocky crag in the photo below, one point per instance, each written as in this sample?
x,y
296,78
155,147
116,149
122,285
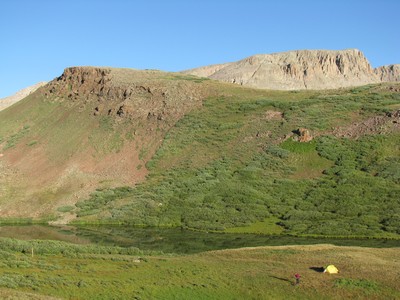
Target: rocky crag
x,y
299,70
390,73
127,93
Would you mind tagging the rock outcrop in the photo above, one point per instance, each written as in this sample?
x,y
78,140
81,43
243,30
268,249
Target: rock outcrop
x,y
126,93
303,135
298,70
8,101
390,73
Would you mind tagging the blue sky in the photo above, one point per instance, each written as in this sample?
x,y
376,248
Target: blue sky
x,y
40,38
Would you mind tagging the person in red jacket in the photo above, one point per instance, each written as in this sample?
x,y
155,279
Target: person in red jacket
x,y
297,276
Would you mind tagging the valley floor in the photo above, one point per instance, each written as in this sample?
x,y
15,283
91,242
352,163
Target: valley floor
x,y
247,273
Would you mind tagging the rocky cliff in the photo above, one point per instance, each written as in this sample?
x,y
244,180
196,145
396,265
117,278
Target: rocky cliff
x,y
389,73
302,69
8,101
128,93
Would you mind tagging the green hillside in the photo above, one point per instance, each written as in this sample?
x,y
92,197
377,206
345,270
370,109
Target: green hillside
x,y
87,129
206,155
227,166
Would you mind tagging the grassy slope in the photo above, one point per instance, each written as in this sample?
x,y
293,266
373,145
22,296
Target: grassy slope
x,y
223,165
66,271
43,137
226,165
56,151
64,128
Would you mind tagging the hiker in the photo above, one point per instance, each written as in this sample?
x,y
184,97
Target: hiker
x,y
297,276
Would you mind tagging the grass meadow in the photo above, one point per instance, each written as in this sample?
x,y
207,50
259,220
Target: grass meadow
x,y
64,271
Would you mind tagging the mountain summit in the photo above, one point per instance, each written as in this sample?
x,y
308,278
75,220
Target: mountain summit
x,y
301,69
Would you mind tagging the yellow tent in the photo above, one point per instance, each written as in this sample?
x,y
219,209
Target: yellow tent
x,y
331,269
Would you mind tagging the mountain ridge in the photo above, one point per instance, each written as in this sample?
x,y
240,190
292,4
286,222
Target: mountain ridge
x,y
289,70
21,94
300,69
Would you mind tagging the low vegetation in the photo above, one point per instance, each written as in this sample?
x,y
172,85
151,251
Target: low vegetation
x,y
233,160
229,165
232,163
36,269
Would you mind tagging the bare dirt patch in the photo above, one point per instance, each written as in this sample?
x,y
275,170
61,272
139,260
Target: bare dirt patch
x,y
382,124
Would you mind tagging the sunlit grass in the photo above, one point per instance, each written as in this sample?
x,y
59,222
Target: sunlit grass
x,y
268,226
59,270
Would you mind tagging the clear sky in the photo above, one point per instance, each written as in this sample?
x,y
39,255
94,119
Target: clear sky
x,y
39,38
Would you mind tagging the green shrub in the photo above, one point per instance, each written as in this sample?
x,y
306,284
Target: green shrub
x,y
277,151
32,143
66,208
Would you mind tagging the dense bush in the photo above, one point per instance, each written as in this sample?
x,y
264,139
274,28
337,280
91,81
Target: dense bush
x,y
10,246
99,199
